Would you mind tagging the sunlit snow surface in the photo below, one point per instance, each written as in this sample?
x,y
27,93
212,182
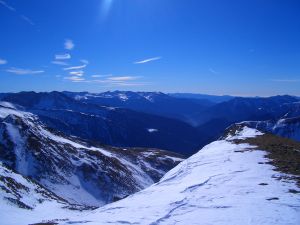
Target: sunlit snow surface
x,y
218,185
44,207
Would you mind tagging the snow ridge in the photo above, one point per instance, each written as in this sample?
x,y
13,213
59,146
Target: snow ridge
x,y
224,183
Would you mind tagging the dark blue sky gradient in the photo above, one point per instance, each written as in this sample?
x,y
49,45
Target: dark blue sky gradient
x,y
206,46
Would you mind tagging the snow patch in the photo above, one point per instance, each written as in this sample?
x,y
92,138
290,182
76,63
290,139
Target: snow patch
x,y
7,105
152,130
123,97
245,133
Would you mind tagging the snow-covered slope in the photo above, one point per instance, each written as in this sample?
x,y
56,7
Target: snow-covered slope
x,y
78,171
228,182
23,200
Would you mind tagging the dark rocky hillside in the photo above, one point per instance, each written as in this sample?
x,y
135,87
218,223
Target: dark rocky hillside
x,y
78,171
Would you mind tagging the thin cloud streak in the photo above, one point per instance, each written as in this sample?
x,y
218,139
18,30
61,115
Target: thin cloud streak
x,y
27,20
99,76
84,61
23,17
62,56
148,60
107,81
212,71
74,79
7,6
61,63
75,67
122,78
77,73
20,71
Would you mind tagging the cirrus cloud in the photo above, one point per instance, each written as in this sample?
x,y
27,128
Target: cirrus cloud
x,y
123,78
74,79
148,60
62,56
12,9
61,63
77,73
7,6
3,61
84,61
99,75
75,67
20,71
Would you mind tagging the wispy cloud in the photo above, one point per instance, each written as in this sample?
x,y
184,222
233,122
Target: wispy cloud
x,y
84,61
75,67
99,75
61,63
123,78
213,71
69,44
121,81
77,73
130,84
109,83
27,20
148,60
108,80
286,80
20,71
62,56
3,61
9,7
74,79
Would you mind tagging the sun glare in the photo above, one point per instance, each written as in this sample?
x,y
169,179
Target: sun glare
x,y
105,7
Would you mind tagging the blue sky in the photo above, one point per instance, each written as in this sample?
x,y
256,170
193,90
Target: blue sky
x,y
235,47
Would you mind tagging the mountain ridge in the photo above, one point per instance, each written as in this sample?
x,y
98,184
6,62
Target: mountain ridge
x,y
225,177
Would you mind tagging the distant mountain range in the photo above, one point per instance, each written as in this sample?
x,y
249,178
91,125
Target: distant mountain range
x,y
289,127
215,119
178,122
108,124
156,103
211,98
